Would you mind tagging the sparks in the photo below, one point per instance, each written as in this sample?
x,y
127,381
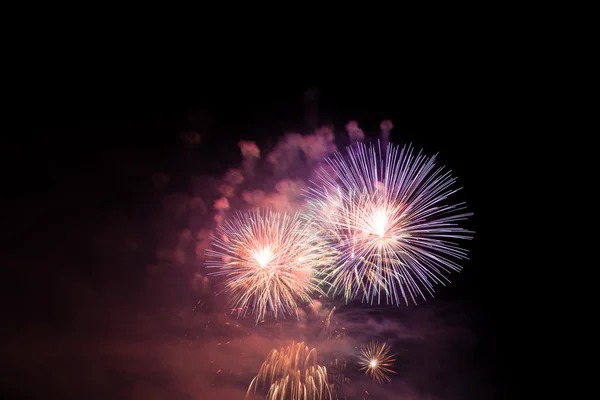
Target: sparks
x,y
270,262
292,373
386,213
376,360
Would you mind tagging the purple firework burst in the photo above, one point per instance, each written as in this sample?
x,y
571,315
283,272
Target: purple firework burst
x,y
387,212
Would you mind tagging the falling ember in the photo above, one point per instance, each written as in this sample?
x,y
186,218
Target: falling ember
x,y
336,373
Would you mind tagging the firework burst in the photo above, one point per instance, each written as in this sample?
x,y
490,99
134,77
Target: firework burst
x,y
269,261
292,373
376,360
386,214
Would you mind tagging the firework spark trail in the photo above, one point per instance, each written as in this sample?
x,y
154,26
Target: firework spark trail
x,y
386,213
376,360
292,373
270,261
336,374
327,328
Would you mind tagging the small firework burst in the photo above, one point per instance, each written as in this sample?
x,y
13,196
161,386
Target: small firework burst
x,y
376,359
270,262
292,373
386,213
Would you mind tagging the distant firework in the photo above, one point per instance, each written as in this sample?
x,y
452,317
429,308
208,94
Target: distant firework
x,y
386,212
292,373
269,261
376,360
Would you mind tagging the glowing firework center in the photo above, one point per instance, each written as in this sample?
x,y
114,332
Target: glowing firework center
x,y
263,257
380,222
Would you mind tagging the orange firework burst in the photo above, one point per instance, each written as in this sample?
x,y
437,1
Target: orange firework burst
x,y
292,373
270,261
376,359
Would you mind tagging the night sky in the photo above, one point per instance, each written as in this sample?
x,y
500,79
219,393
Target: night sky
x,y
100,312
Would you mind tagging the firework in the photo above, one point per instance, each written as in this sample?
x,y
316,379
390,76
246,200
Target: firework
x,y
386,212
376,360
292,373
269,261
328,328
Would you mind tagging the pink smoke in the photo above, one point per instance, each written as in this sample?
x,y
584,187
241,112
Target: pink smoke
x,y
287,196
386,127
315,148
354,132
250,154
